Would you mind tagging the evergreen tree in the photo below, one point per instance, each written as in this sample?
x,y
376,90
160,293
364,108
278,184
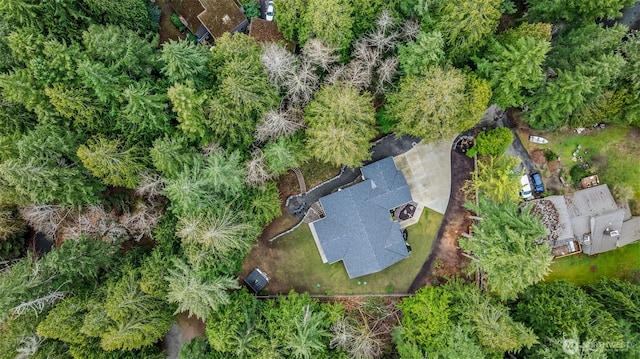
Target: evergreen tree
x,y
340,121
195,294
110,161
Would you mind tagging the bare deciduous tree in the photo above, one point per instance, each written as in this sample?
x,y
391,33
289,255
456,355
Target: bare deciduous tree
x,y
410,30
45,218
210,148
276,124
257,174
319,54
386,21
368,55
278,62
336,75
385,41
302,84
150,185
29,346
357,339
385,72
358,74
142,221
365,331
93,221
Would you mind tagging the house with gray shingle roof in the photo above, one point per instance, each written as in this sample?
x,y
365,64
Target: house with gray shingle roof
x,y
591,218
358,228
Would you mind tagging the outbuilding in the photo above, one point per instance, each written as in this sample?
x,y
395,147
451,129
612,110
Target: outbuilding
x,y
257,280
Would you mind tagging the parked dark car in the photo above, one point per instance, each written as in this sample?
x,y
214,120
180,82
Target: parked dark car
x,y
536,179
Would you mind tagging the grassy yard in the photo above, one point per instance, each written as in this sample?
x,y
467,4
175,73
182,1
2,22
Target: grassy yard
x,y
581,269
302,269
611,154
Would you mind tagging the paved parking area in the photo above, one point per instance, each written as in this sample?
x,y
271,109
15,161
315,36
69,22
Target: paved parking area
x,y
427,168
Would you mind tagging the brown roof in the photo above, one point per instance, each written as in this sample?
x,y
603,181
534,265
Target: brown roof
x,y
217,16
221,16
189,10
265,31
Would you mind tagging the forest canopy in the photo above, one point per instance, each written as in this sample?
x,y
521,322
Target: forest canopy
x,y
151,169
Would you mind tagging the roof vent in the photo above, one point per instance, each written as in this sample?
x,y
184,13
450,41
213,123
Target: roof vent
x,y
614,233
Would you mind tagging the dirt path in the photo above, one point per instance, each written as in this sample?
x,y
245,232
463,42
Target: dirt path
x,y
445,258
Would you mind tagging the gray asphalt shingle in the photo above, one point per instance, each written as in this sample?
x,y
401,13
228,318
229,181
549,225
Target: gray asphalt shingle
x,y
358,228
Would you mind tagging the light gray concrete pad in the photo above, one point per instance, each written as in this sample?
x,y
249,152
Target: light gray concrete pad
x,y
427,168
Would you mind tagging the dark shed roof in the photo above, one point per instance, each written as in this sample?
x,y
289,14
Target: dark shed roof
x,y
257,280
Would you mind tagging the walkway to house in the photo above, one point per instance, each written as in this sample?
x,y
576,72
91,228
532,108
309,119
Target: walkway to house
x,y
389,145
303,186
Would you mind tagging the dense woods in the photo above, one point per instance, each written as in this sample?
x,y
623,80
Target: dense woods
x,y
153,168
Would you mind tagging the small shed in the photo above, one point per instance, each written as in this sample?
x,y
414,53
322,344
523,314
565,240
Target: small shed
x,y
257,280
590,181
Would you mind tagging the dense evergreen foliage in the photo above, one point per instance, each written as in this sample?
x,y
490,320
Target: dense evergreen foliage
x,y
152,168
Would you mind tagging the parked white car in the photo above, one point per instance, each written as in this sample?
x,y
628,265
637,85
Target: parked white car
x,y
526,192
270,11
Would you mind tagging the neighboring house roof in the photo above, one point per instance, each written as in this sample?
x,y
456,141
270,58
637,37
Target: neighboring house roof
x,y
358,228
592,217
265,31
605,232
257,280
216,16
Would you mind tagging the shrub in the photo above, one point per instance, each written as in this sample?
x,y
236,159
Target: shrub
x,y
175,19
492,142
251,9
385,123
549,155
577,173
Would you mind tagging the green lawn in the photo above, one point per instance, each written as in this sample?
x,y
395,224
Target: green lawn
x,y
302,268
609,152
581,269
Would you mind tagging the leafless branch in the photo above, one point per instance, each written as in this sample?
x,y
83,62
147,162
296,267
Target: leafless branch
x,y
39,304
278,62
319,54
142,221
210,148
366,54
301,85
150,185
410,30
29,346
386,21
358,74
257,174
274,125
45,218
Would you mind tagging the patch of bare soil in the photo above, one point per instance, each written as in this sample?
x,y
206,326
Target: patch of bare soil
x,y
537,156
634,134
168,30
264,254
446,258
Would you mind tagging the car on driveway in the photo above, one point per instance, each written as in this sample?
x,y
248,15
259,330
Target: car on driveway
x,y
270,11
537,182
526,192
